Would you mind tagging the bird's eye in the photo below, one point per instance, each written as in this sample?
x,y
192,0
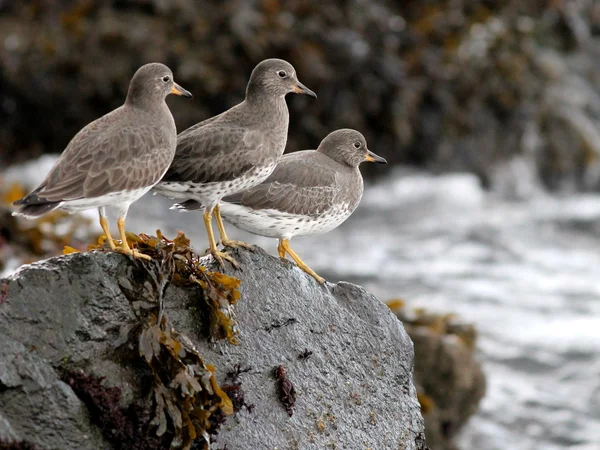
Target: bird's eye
x,y
282,73
166,78
357,145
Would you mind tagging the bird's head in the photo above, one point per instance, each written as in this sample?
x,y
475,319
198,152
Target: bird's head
x,y
349,147
276,77
152,83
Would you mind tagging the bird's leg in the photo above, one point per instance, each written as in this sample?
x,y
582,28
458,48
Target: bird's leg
x,y
104,225
219,256
285,244
280,249
224,239
125,248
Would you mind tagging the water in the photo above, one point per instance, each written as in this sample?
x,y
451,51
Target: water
x,y
526,272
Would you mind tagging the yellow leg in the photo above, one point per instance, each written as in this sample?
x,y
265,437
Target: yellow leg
x,y
224,239
280,250
125,248
104,225
219,256
285,245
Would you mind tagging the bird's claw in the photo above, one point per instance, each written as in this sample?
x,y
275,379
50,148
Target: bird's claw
x,y
126,250
221,257
236,244
140,255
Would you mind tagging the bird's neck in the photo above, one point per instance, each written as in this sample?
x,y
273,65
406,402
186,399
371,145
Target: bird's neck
x,y
148,104
156,111
355,186
267,108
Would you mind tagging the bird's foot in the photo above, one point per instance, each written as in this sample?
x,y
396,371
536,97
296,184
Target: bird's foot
x,y
111,242
221,257
311,272
140,255
319,279
126,250
235,244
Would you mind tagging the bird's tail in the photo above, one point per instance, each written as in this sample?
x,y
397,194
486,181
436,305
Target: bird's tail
x,y
34,210
188,205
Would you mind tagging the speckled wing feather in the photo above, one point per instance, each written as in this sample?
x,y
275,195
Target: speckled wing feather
x,y
103,158
303,183
215,152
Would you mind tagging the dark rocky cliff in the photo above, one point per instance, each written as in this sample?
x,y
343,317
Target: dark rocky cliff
x,y
464,84
91,360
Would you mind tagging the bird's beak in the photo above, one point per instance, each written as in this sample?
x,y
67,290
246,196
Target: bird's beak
x,y
301,89
372,157
178,90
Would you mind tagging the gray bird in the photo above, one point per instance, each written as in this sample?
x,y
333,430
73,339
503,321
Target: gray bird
x,y
310,192
235,150
116,159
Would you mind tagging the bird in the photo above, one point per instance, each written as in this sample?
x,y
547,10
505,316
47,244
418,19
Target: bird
x,y
310,192
115,159
235,150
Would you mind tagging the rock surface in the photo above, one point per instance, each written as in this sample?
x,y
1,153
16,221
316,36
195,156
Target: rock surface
x,y
347,356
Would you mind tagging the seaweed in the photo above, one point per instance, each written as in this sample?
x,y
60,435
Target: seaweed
x,y
279,324
11,193
285,389
235,373
220,291
235,391
17,445
437,323
186,393
41,237
237,396
3,293
124,428
189,405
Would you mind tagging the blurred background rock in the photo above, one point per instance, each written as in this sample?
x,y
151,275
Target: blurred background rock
x,y
449,379
445,84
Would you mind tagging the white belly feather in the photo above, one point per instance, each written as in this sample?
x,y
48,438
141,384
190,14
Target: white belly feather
x,y
209,194
280,225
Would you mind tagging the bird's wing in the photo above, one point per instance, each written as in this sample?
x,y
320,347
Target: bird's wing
x,y
215,152
303,183
103,158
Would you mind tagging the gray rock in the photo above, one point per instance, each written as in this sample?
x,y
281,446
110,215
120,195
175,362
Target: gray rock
x,y
36,407
354,391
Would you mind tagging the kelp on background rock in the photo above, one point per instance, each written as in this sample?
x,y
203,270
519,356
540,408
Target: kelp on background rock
x,y
25,241
449,378
453,85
